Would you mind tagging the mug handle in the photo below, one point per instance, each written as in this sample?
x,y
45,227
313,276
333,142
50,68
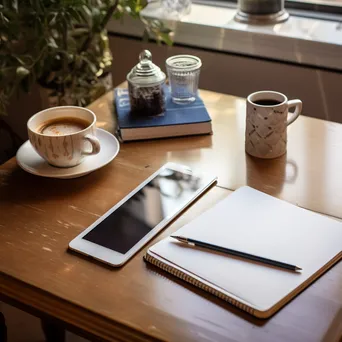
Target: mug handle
x,y
294,103
95,143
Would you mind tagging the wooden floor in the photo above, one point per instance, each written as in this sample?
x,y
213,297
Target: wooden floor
x,y
23,327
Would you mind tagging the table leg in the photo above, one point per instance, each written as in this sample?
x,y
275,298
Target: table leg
x,y
53,331
3,328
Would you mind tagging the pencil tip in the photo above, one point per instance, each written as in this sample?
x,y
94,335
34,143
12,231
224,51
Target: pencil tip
x,y
298,268
179,238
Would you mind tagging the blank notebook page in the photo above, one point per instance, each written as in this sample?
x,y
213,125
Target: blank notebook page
x,y
253,222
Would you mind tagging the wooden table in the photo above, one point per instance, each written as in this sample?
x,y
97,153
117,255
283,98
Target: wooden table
x,y
38,218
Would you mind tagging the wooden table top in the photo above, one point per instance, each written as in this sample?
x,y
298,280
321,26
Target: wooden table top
x,y
38,218
309,175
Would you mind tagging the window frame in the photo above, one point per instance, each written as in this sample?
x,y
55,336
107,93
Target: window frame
x,y
294,7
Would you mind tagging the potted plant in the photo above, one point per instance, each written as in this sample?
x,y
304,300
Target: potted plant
x,y
61,45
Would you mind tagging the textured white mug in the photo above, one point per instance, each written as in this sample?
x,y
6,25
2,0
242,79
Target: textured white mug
x,y
64,150
266,125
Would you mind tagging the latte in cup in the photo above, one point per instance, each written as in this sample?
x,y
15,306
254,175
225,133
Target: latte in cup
x,y
63,126
64,136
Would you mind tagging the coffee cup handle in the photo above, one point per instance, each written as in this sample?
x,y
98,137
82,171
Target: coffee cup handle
x,y
294,103
95,143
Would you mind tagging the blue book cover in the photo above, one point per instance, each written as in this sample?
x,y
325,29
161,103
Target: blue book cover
x,y
174,115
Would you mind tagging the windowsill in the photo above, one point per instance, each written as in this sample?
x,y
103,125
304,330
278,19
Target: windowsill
x,y
305,41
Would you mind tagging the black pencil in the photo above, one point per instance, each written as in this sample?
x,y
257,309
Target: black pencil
x,y
237,253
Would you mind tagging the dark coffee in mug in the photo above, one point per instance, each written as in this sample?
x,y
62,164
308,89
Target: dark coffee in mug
x,y
266,123
267,102
62,126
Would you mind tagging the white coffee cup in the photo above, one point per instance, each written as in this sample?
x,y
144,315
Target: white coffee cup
x,y
266,123
65,150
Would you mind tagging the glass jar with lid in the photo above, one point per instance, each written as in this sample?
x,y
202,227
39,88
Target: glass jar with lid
x,y
146,87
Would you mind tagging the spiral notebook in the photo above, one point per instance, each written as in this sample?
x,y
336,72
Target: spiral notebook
x,y
255,223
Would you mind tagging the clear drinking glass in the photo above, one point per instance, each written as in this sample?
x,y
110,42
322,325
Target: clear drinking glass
x,y
176,8
183,72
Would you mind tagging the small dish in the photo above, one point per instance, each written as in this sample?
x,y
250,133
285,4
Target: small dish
x,y
29,160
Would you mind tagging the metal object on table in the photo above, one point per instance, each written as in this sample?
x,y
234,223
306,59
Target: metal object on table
x,y
263,12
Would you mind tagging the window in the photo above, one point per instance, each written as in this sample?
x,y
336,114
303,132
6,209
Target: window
x,y
321,2
324,7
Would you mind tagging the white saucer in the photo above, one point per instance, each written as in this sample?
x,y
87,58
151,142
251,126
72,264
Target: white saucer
x,y
29,160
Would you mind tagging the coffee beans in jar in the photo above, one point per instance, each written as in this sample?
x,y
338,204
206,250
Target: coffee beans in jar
x,y
147,100
146,87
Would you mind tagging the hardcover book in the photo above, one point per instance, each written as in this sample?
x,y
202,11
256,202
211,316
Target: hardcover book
x,y
177,120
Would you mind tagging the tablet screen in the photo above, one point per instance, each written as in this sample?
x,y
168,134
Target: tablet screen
x,y
162,197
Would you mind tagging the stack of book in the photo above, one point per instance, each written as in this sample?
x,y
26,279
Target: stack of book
x,y
178,120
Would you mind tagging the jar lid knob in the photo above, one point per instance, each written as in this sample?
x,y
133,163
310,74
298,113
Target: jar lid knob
x,y
145,57
145,73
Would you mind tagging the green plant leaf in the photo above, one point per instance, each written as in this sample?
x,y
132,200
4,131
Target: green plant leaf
x,y
75,15
51,42
61,43
79,32
22,72
165,37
